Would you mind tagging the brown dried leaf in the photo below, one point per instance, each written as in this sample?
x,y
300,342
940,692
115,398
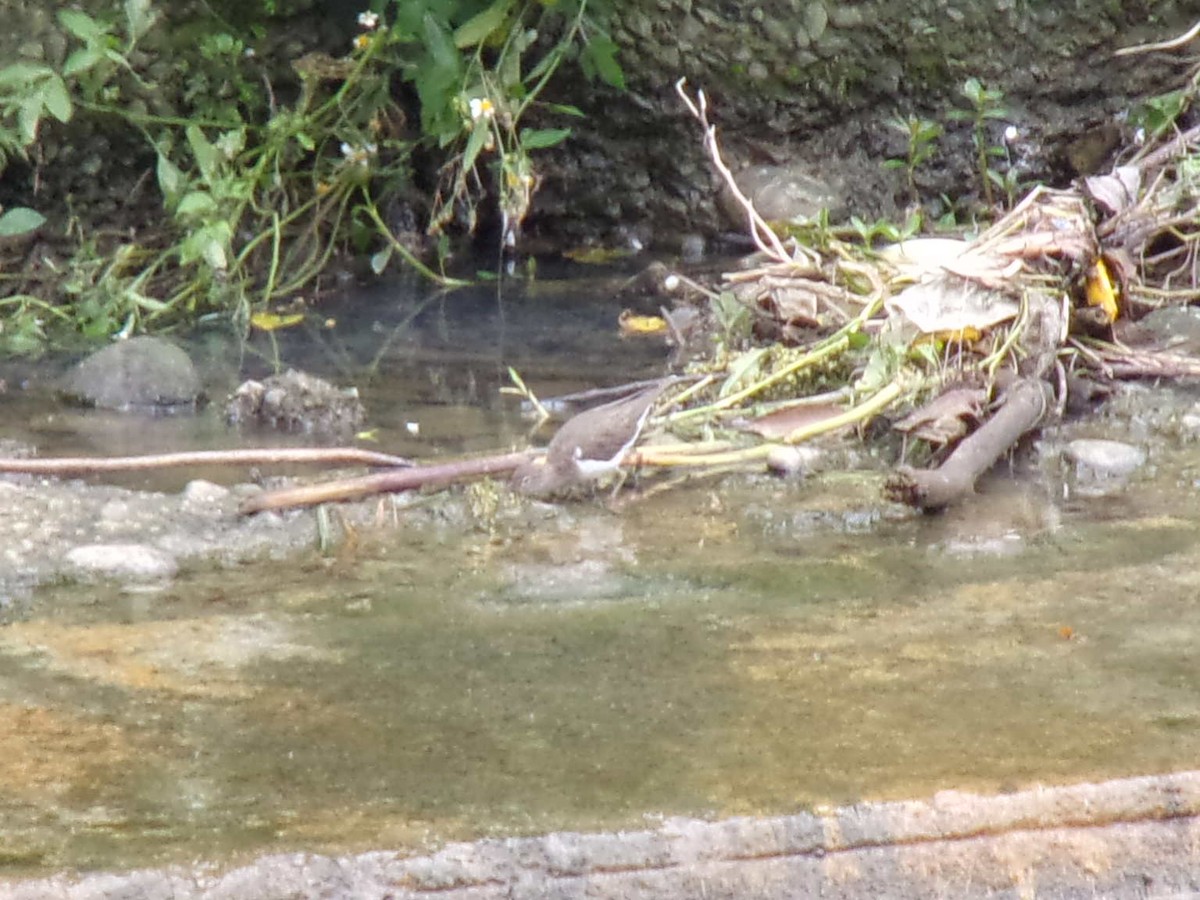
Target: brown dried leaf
x,y
791,304
1116,191
779,423
945,418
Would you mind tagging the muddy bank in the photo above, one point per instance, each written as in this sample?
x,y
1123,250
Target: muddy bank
x,y
1127,838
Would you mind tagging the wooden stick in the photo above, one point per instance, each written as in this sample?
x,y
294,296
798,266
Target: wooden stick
x,y
1025,405
87,465
384,482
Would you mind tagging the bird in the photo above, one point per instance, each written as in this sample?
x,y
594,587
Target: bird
x,y
589,445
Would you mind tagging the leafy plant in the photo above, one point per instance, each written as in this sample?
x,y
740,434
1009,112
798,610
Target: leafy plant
x,y
921,135
259,193
1159,114
884,229
986,107
478,79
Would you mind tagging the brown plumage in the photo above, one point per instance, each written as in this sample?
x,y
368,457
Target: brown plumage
x,y
589,445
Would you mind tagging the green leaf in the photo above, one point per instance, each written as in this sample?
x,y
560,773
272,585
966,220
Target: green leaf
x,y
480,26
205,153
81,25
857,340
600,55
22,74
214,255
140,17
567,110
20,220
537,139
196,203
81,60
305,141
56,99
28,116
742,369
232,142
438,43
474,144
207,243
171,180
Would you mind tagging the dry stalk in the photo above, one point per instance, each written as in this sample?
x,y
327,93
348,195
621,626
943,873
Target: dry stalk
x,y
764,237
1172,44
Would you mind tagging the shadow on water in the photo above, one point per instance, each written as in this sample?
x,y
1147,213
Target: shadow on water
x,y
748,647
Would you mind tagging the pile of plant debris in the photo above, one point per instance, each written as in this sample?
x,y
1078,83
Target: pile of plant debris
x,y
963,345
968,344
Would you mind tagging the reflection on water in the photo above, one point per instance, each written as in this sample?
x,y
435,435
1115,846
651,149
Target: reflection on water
x,y
741,660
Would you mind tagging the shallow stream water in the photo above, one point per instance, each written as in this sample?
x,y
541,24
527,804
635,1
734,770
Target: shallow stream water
x,y
729,647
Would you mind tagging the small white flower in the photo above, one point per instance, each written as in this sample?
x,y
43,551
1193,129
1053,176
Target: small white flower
x,y
481,108
368,20
671,282
1011,134
1139,136
358,156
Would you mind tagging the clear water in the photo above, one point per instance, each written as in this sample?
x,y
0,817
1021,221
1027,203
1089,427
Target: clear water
x,y
717,649
704,653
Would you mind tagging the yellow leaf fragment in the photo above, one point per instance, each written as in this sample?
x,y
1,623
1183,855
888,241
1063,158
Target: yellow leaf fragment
x,y
269,321
633,325
1100,291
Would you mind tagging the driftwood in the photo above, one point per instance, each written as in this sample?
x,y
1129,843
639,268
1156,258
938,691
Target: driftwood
x,y
88,465
383,482
1024,407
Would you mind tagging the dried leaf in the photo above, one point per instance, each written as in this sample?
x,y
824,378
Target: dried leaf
x,y
945,418
791,305
1117,191
633,325
268,321
779,423
952,304
1099,289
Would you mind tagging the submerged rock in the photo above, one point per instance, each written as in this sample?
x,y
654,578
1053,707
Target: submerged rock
x,y
1101,466
128,562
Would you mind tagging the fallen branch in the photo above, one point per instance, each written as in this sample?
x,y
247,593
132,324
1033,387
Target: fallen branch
x,y
1025,405
88,465
383,482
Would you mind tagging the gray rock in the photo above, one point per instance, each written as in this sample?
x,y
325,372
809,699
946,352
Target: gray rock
x,y
1103,465
201,496
146,373
785,193
129,562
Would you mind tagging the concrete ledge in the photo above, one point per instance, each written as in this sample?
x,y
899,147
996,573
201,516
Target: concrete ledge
x,y
1134,837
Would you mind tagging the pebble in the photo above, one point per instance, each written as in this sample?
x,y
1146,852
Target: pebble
x,y
1100,464
203,496
793,461
130,562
